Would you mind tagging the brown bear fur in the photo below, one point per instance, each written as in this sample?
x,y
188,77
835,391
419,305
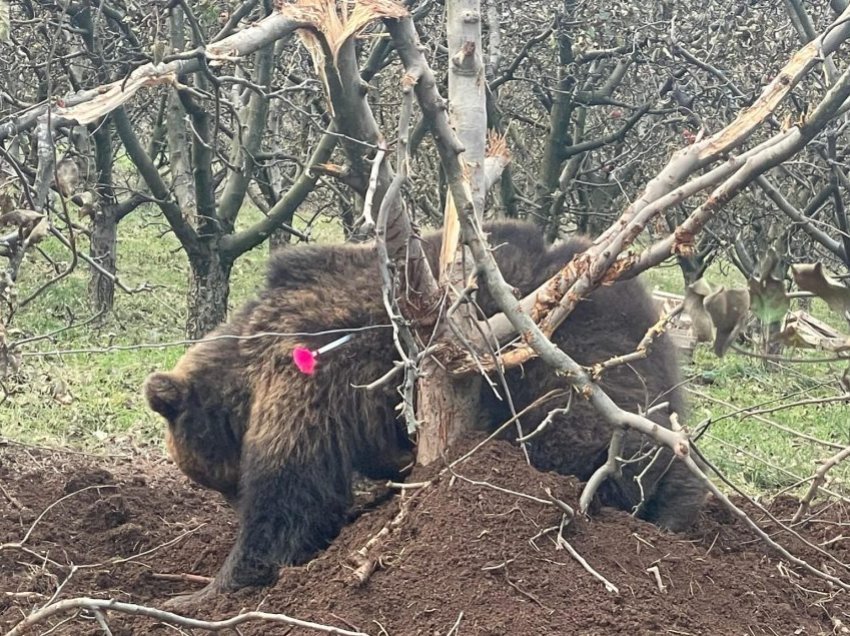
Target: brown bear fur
x,y
283,446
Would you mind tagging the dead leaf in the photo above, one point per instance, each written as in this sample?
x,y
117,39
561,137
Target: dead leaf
x,y
20,218
7,203
728,310
39,232
67,177
701,324
812,278
60,392
768,299
86,210
804,332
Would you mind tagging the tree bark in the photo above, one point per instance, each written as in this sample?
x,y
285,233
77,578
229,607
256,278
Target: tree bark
x,y
103,245
179,141
448,406
209,289
559,119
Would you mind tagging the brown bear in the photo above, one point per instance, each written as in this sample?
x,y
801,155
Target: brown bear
x,y
283,446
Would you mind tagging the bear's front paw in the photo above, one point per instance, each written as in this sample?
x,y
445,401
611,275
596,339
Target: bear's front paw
x,y
190,601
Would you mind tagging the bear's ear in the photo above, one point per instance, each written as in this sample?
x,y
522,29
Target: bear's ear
x,y
165,393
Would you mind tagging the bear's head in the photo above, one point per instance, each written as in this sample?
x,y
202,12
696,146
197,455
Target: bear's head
x,y
200,437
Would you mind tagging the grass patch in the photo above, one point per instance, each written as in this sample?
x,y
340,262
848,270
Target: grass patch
x,y
755,451
92,400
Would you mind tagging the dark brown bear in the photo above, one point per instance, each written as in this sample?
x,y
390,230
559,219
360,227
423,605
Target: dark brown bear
x,y
283,446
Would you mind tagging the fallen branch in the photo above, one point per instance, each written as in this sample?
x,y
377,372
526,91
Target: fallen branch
x,y
561,542
11,498
182,578
752,525
99,605
366,558
20,544
817,481
657,574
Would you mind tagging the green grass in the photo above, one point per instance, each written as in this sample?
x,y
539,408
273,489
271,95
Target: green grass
x,y
753,451
93,401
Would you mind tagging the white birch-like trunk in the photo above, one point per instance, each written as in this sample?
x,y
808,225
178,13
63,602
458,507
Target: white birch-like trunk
x,y
467,98
447,406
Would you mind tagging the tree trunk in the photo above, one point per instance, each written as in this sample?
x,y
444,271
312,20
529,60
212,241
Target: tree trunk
x,y
448,406
104,222
209,289
279,238
559,119
177,133
102,249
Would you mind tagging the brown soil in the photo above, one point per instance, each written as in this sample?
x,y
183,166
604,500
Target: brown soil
x,y
467,559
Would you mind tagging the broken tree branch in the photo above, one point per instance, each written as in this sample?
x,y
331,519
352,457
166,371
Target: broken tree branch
x,y
97,604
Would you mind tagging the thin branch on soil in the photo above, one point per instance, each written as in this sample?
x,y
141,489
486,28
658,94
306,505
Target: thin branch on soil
x,y
413,485
96,604
657,574
23,595
453,630
504,567
610,587
19,544
11,498
543,533
561,542
366,558
563,506
506,491
743,516
817,480
610,467
182,578
170,542
61,586
101,620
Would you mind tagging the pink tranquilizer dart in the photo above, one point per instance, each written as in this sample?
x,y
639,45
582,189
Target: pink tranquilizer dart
x,y
305,359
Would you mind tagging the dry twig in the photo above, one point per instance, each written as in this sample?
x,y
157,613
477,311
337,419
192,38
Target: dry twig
x,y
817,481
560,542
100,605
657,574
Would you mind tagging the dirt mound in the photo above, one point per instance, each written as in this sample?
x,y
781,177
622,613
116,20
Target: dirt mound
x,y
475,553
